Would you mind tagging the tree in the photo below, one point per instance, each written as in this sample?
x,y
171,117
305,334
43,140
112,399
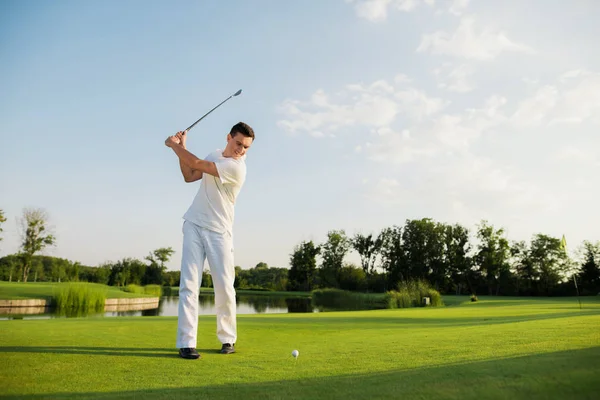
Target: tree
x,y
333,252
101,274
352,278
155,271
458,262
549,260
9,265
303,267
161,256
492,256
523,268
56,268
588,277
35,238
73,270
423,244
393,259
367,248
2,220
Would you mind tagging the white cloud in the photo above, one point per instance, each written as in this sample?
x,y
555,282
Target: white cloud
x,y
475,186
320,114
572,153
573,74
417,104
471,42
377,10
530,81
457,132
575,98
456,162
401,78
581,101
374,105
454,78
458,7
398,148
533,111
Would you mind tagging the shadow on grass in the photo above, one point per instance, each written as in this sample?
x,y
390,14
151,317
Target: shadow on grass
x,y
560,375
101,351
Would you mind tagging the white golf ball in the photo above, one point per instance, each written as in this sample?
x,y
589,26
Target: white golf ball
x,y
295,353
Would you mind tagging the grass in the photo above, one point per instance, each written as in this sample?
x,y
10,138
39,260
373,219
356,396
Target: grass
x,y
496,348
154,290
78,299
47,290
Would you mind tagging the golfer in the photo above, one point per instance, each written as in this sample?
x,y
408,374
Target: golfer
x,y
207,235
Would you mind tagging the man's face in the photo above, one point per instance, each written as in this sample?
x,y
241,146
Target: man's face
x,y
237,145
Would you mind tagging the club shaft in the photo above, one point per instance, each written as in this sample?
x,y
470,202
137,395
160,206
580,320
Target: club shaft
x,y
218,105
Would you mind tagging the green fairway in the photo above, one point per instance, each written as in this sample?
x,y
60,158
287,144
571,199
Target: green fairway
x,y
493,349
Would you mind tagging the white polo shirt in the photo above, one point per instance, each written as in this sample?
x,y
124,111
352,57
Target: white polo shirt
x,y
213,206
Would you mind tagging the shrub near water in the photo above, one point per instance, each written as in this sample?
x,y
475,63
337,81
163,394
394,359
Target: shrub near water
x,y
133,288
400,299
411,294
75,299
154,290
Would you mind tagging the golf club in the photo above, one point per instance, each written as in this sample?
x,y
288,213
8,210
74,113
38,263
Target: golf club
x,y
201,118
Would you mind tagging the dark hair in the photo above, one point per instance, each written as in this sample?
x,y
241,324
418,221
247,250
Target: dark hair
x,y
242,128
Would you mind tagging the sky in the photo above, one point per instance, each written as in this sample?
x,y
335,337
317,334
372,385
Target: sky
x,y
366,114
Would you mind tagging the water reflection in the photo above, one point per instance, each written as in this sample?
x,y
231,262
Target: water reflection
x,y
246,304
168,306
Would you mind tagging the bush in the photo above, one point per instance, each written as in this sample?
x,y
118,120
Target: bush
x,y
436,298
391,299
154,290
411,294
78,299
133,288
405,299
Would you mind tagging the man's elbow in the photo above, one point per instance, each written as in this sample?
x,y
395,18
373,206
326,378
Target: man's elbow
x,y
192,178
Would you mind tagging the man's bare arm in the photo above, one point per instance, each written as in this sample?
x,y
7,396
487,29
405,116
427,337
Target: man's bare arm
x,y
190,160
189,175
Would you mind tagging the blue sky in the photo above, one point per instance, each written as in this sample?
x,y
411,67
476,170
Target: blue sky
x,y
366,113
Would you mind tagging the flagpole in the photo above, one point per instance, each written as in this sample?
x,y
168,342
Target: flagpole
x,y
563,245
576,288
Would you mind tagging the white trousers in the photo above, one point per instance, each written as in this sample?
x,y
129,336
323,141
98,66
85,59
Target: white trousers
x,y
200,244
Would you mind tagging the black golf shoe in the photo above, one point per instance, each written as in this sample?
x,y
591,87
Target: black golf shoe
x,y
189,352
228,348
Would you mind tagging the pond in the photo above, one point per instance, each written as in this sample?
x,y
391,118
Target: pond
x,y
168,306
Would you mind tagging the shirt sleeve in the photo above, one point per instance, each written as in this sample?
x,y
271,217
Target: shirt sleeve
x,y
231,172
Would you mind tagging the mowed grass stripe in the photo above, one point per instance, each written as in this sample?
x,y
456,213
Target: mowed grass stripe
x,y
467,350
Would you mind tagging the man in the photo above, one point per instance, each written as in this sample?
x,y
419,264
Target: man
x,y
207,234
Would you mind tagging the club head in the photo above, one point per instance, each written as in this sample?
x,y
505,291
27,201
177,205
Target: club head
x,y
238,92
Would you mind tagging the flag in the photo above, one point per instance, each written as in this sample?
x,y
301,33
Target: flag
x,y
563,244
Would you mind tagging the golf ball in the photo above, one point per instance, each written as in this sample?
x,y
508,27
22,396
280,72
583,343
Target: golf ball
x,y
295,353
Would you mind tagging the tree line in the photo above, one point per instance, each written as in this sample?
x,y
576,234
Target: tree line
x,y
28,265
449,257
